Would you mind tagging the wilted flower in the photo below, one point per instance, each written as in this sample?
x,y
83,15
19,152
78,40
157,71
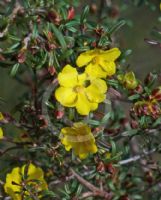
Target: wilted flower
x,y
1,131
99,63
27,181
156,94
78,91
149,108
79,138
128,80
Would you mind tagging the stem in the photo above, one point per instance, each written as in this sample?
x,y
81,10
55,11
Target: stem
x,y
95,191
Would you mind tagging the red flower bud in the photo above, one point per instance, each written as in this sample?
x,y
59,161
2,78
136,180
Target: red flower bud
x,y
21,57
149,78
110,168
139,89
59,114
101,167
54,17
71,13
51,70
156,94
134,124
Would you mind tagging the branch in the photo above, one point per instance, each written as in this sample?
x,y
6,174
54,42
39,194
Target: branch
x,y
137,157
95,191
16,9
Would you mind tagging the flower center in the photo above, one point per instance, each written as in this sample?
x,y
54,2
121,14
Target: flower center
x,y
95,60
78,89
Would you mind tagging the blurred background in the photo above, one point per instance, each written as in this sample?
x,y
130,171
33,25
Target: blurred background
x,y
141,20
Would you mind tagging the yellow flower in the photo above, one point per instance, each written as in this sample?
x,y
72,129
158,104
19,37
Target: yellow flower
x,y
1,131
17,185
99,63
128,80
79,138
76,90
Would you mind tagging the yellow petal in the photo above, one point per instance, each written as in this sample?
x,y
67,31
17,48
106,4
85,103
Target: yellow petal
x,y
84,58
96,91
111,55
109,67
99,84
66,96
33,172
68,76
83,155
83,106
14,176
94,94
1,116
1,133
82,78
95,71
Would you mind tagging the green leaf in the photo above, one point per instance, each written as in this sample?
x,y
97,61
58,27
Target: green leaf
x,y
66,54
48,193
14,69
157,122
26,3
105,118
35,31
134,97
79,190
93,122
72,23
59,36
130,133
113,145
84,15
67,189
117,26
104,41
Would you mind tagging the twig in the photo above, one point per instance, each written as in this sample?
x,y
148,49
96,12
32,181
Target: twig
x,y
108,3
16,9
95,191
136,158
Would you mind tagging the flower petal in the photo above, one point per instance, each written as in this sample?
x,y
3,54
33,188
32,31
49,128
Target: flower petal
x,y
83,106
66,96
84,58
1,116
111,55
108,67
68,76
14,176
1,133
95,71
96,91
82,78
33,172
100,84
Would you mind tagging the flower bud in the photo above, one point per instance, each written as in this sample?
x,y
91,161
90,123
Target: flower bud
x,y
51,70
128,80
59,114
101,167
149,78
156,94
71,13
149,108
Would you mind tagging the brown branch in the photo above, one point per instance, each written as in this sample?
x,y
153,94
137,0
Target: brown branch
x,y
13,15
95,191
